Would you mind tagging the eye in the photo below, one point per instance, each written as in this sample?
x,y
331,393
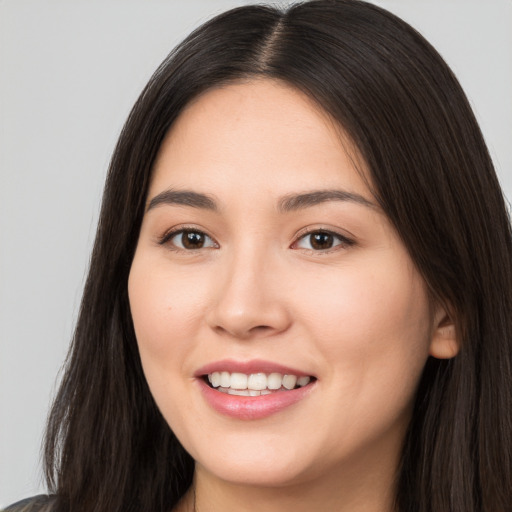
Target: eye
x,y
188,240
321,240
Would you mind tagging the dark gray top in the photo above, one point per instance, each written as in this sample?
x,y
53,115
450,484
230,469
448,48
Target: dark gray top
x,y
41,503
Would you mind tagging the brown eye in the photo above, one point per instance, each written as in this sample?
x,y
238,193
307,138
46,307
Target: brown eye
x,y
322,241
189,240
192,240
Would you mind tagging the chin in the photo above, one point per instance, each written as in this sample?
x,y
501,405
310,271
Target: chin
x,y
267,463
255,473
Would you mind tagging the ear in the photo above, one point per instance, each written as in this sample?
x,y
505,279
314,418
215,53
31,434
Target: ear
x,y
444,343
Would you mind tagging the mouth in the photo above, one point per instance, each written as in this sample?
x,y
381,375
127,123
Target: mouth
x,y
254,384
252,390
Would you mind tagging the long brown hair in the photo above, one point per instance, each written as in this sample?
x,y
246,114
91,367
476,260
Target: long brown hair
x,y
108,449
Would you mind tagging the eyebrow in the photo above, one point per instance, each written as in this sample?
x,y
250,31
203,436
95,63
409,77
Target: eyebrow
x,y
288,203
183,198
294,202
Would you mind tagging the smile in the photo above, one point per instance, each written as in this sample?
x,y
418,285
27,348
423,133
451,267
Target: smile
x,y
253,390
255,384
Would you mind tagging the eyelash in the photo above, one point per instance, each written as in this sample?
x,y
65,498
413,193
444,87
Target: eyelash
x,y
169,235
344,242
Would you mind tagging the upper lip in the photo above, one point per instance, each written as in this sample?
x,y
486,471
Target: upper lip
x,y
248,367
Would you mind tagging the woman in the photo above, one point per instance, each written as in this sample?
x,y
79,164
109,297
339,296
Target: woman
x,y
300,289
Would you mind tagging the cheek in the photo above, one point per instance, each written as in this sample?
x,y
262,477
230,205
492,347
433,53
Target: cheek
x,y
372,329
371,320
165,310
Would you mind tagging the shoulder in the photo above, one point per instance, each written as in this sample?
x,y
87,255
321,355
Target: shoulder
x,y
41,503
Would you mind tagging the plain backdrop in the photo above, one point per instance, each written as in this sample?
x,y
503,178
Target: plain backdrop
x,y
70,71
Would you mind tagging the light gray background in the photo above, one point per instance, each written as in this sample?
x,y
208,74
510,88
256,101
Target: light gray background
x,y
70,70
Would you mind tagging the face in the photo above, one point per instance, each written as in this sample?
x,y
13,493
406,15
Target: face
x,y
264,263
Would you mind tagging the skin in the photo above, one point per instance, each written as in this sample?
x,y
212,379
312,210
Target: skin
x,y
357,315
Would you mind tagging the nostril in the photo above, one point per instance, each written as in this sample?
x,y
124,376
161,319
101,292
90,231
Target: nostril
x,y
242,333
260,328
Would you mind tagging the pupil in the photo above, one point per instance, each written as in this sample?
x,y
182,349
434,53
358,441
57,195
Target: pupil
x,y
192,240
321,241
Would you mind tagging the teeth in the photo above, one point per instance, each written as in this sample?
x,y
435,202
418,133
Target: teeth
x,y
303,381
245,392
225,379
239,381
255,384
239,392
214,379
257,381
289,381
274,381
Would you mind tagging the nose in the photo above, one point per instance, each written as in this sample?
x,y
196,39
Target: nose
x,y
250,299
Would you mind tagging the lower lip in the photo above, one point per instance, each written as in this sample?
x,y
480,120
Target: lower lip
x,y
252,407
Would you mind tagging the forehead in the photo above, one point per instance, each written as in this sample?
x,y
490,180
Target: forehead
x,y
259,132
